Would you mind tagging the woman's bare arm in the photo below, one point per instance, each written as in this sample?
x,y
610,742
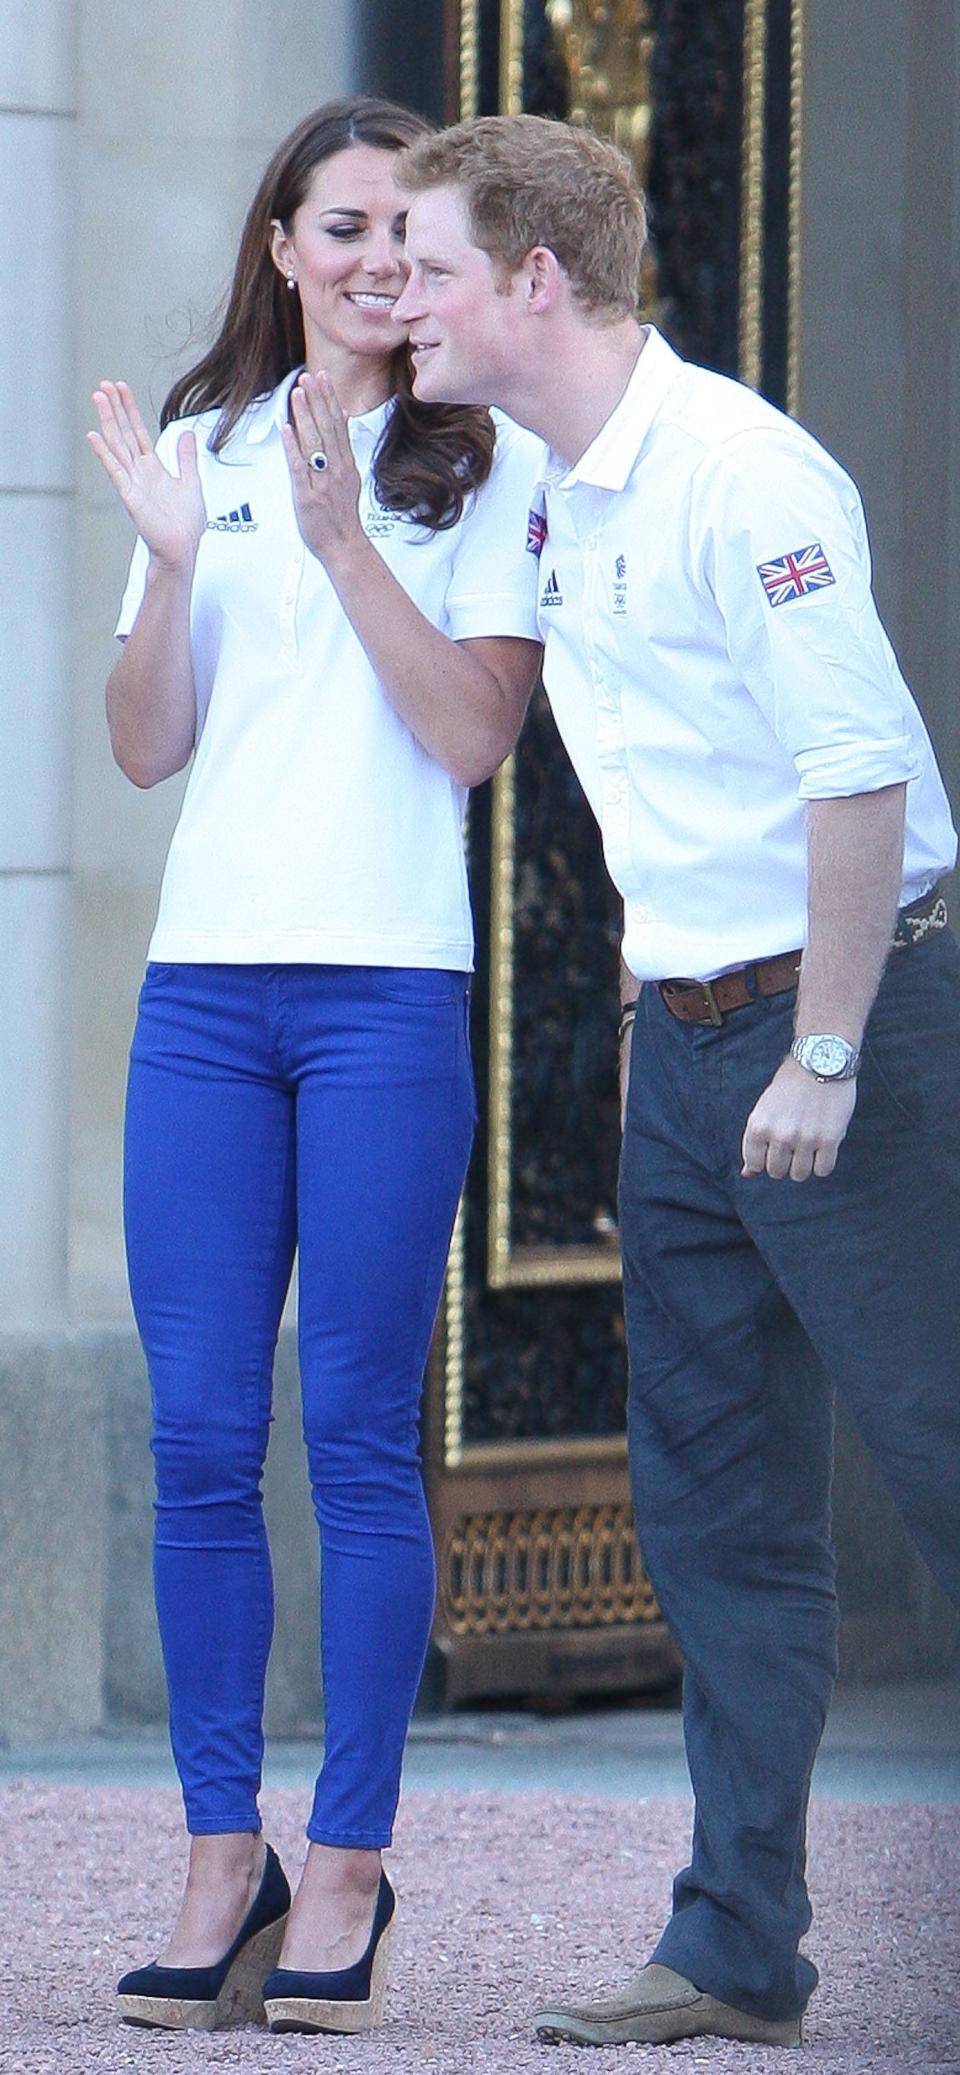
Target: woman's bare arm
x,y
151,699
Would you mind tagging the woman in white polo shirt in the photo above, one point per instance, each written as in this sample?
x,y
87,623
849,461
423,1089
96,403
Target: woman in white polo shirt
x,y
331,610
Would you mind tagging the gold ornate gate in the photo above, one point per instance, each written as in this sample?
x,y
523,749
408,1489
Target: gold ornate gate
x,y
541,1585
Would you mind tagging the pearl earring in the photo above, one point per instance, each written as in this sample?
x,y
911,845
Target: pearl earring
x,y
291,282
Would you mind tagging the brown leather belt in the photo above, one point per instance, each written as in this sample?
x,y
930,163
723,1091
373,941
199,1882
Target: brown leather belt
x,y
709,1001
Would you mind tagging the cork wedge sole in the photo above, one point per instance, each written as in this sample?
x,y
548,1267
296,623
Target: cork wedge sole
x,y
240,2001
315,2014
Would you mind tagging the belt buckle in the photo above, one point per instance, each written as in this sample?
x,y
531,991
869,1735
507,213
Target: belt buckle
x,y
714,1012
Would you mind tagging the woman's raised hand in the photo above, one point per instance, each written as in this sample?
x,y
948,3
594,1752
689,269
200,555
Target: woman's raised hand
x,y
326,498
167,511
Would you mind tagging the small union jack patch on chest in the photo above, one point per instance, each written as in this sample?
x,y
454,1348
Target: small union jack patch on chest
x,y
536,530
792,576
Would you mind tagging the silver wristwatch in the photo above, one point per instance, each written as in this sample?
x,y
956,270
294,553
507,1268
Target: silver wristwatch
x,y
827,1058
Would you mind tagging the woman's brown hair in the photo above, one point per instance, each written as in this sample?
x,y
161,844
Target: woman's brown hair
x,y
431,455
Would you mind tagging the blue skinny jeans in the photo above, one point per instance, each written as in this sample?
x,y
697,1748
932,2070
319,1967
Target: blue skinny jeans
x,y
328,1108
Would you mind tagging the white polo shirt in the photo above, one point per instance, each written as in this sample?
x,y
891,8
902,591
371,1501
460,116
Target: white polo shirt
x,y
714,659
315,828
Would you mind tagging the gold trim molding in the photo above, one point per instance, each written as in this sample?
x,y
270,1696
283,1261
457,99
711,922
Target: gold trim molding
x,y
795,206
469,68
752,204
511,57
499,1146
751,191
510,1267
546,1452
454,1350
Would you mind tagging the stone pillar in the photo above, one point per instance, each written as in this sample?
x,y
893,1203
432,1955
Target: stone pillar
x,y
51,1455
880,385
930,610
38,158
880,350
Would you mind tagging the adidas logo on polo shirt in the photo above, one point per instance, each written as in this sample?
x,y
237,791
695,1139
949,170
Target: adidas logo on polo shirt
x,y
242,521
552,594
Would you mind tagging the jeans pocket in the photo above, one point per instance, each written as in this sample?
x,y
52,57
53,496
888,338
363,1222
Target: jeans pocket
x,y
424,987
911,1047
157,980
882,1081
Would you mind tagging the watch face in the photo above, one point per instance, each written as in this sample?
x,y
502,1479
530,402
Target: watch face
x,y
827,1056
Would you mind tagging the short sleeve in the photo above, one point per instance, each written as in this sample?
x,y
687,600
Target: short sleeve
x,y
493,582
166,448
780,540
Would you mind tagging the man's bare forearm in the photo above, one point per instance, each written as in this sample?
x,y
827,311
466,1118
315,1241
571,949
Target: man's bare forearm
x,y
855,873
798,1125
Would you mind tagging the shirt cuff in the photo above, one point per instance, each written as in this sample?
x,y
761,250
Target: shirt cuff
x,y
855,767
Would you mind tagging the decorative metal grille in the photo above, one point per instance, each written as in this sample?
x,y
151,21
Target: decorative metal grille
x,y
561,1568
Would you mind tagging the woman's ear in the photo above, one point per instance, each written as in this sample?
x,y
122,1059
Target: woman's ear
x,y
281,252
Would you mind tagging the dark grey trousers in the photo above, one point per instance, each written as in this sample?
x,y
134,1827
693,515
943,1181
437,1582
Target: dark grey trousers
x,y
737,1291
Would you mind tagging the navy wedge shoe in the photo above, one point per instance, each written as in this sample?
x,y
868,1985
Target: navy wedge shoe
x,y
349,2000
205,1999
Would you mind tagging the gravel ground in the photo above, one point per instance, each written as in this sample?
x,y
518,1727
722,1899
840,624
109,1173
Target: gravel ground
x,y
504,1899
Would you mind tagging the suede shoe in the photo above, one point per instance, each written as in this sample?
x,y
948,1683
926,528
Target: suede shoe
x,y
657,2008
204,1999
349,2000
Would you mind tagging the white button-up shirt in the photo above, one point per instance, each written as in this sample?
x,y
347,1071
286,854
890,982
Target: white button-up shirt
x,y
714,659
315,828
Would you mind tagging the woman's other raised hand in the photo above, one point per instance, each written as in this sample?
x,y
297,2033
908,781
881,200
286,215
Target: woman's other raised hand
x,y
326,501
168,511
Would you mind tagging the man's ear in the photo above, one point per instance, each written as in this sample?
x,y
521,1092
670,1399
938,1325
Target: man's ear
x,y
543,279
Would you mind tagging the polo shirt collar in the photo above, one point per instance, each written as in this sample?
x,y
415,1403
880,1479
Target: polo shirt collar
x,y
267,413
608,460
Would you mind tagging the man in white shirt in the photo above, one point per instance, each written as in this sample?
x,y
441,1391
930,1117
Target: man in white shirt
x,y
773,816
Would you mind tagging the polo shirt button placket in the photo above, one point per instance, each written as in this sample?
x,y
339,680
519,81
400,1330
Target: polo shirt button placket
x,y
288,609
616,797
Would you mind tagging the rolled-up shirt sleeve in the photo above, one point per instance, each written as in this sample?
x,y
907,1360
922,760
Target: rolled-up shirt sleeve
x,y
781,544
493,582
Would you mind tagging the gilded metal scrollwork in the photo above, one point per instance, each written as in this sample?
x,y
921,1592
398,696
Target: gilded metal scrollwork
x,y
554,1568
607,47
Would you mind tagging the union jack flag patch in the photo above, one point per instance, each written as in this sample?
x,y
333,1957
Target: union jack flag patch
x,y
536,531
792,576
